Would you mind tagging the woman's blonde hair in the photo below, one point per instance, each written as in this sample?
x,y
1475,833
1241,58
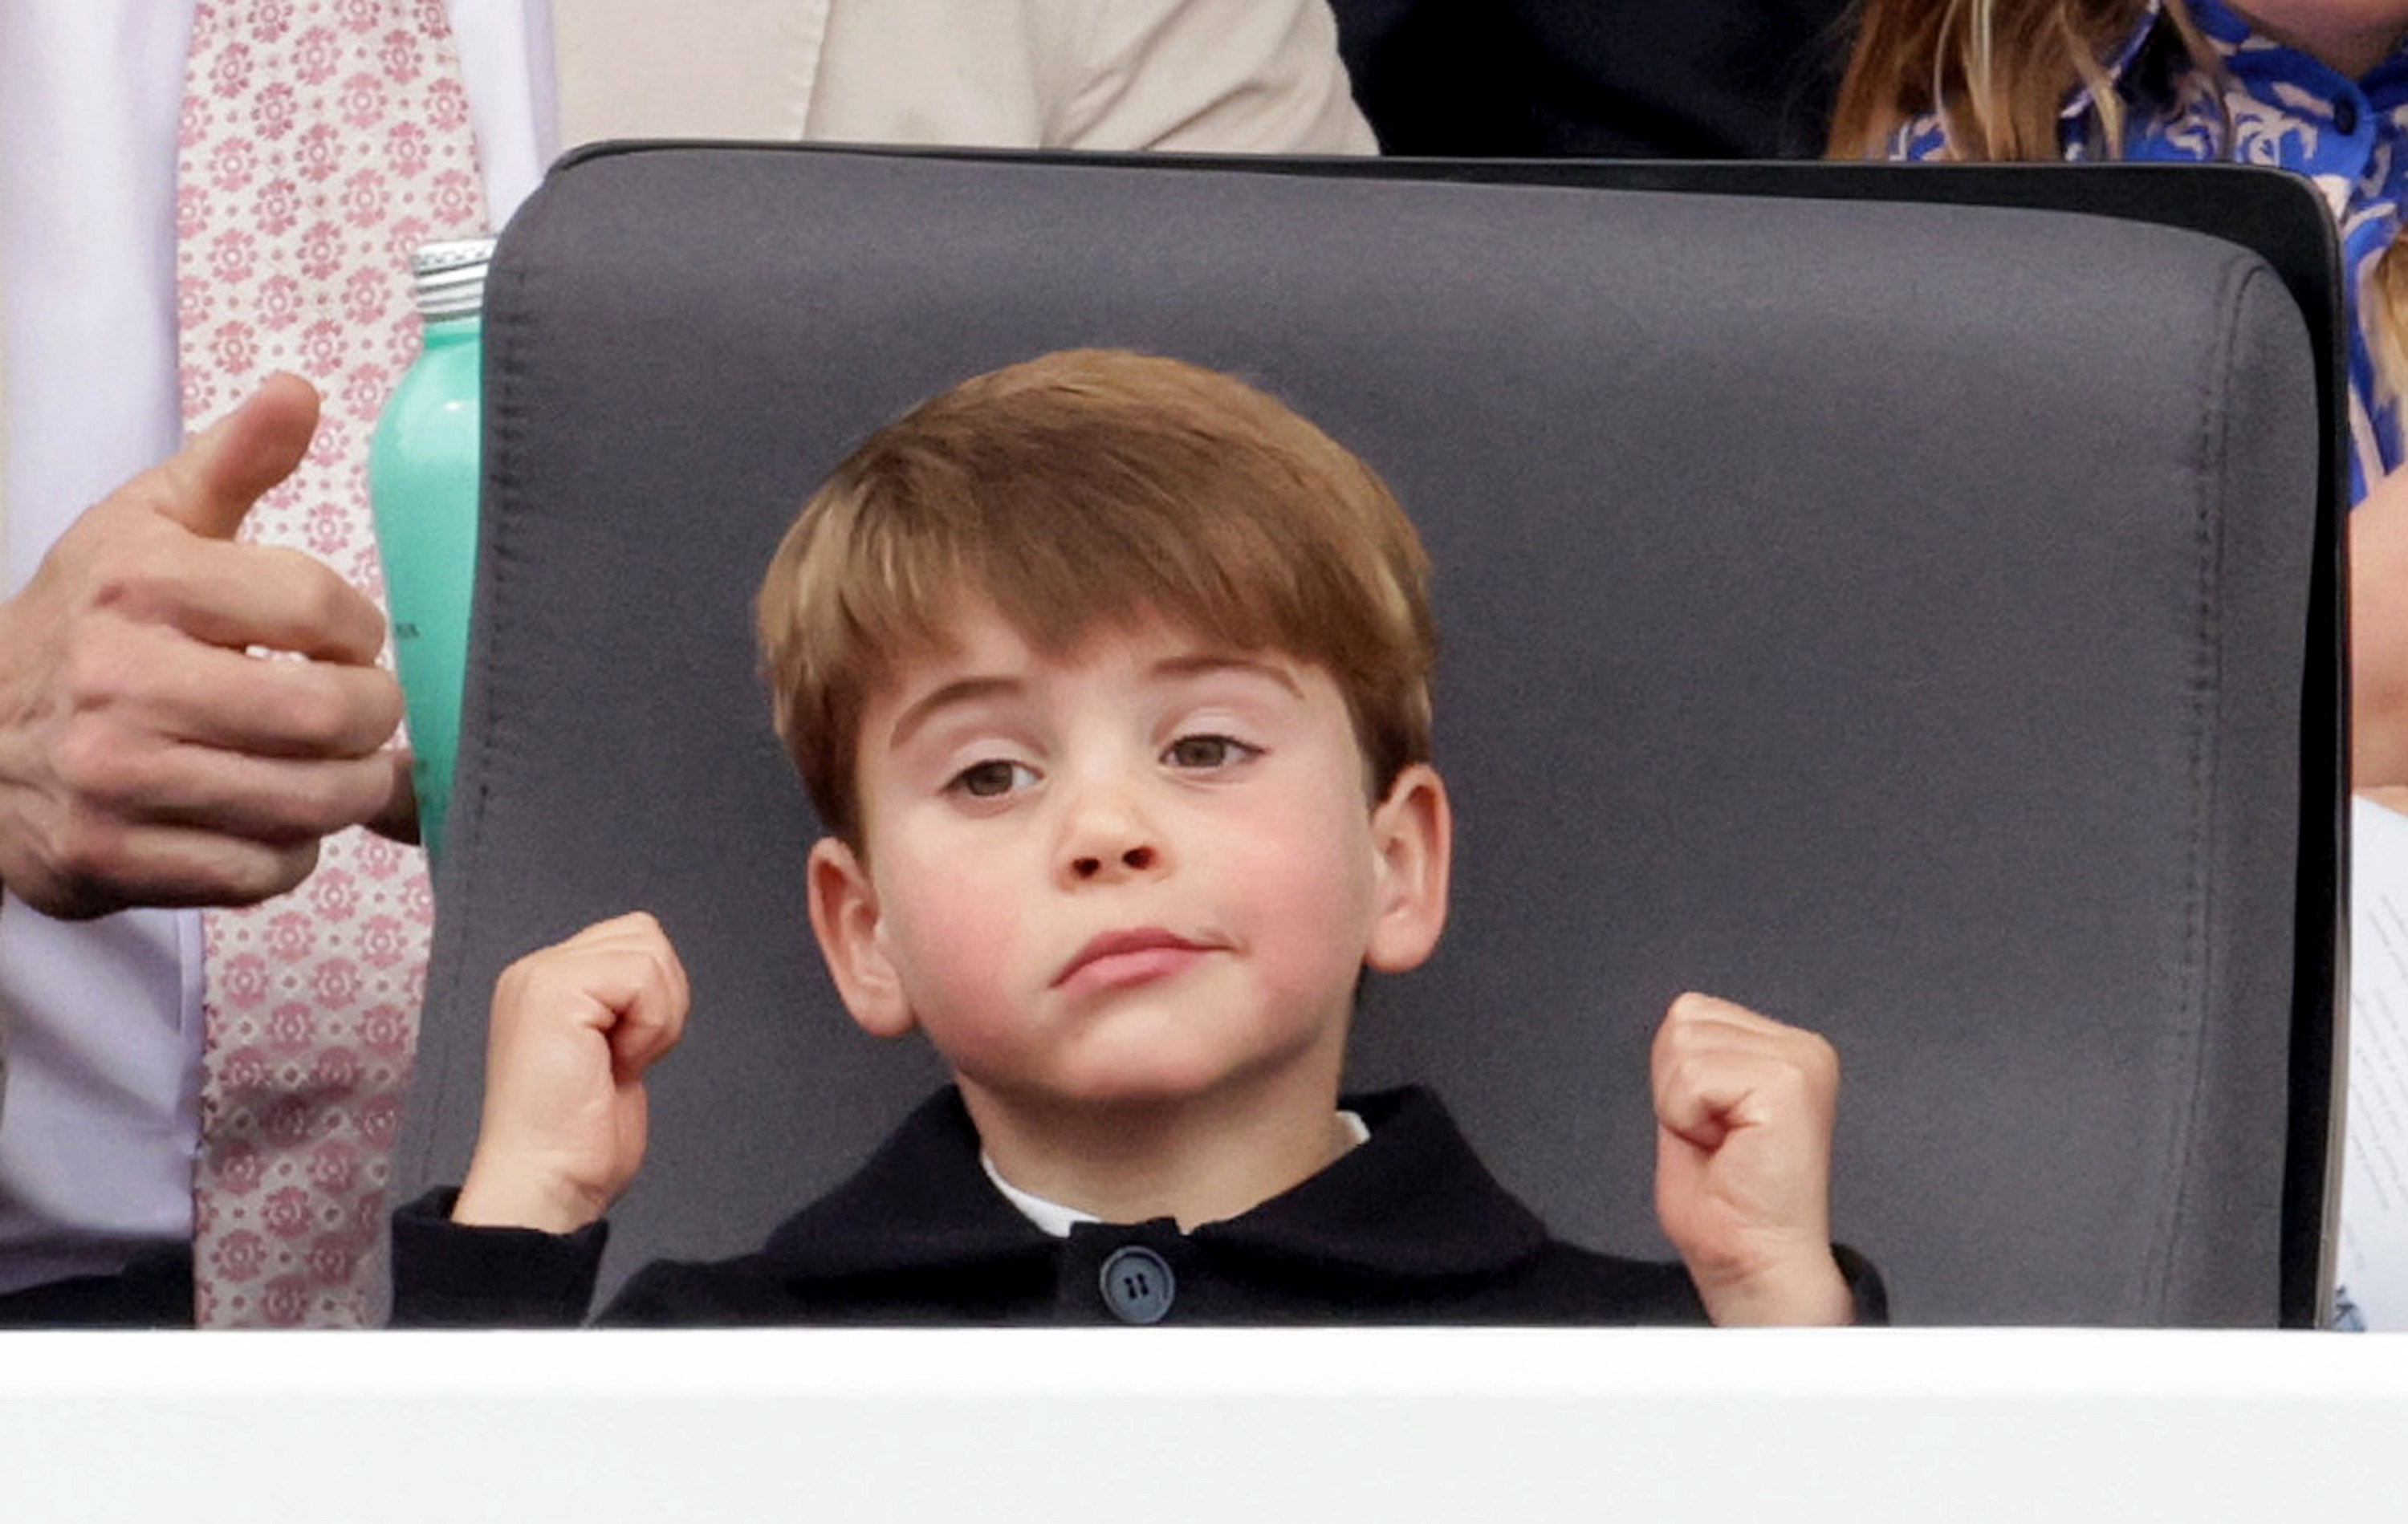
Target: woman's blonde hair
x,y
1996,73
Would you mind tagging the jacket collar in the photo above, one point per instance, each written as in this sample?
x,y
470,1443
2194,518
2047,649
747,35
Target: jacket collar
x,y
1412,1200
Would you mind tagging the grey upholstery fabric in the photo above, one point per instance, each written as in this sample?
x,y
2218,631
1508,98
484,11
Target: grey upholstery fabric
x,y
1888,615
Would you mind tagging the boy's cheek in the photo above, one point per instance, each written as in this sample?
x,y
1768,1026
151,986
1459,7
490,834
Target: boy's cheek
x,y
1299,862
1306,930
958,950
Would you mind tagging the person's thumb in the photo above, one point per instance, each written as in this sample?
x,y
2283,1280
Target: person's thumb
x,y
213,480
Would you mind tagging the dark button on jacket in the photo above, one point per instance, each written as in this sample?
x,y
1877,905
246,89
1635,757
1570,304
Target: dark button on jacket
x,y
1137,1285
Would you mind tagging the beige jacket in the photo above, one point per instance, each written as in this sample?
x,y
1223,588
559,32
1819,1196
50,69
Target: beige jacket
x,y
1239,76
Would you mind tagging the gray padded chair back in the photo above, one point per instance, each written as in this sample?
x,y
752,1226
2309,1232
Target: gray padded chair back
x,y
1893,617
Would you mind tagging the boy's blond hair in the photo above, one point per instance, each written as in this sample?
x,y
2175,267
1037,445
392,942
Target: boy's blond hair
x,y
1076,493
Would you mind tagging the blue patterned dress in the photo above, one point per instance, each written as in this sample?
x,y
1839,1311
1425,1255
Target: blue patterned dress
x,y
2290,111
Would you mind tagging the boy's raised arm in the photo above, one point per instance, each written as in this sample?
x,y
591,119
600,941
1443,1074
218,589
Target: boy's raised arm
x,y
1744,1113
575,1026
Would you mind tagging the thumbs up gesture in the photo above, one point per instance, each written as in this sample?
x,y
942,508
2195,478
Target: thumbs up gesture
x,y
147,755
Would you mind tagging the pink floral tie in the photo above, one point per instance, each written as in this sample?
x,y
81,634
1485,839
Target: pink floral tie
x,y
322,140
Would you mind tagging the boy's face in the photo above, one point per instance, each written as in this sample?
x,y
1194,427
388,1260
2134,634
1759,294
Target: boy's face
x,y
1144,873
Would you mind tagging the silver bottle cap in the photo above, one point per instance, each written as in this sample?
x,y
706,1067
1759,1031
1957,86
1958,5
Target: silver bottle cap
x,y
450,276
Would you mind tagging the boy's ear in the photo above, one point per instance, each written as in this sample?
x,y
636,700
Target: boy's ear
x,y
1413,830
844,918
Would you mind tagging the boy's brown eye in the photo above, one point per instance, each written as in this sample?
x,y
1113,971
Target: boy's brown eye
x,y
1206,751
991,779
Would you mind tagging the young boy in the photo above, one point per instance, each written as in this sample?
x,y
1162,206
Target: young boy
x,y
1108,676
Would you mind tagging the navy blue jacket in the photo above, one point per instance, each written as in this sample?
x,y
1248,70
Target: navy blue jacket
x,y
1407,1228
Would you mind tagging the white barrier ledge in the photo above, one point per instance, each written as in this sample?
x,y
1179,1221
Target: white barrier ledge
x,y
1228,1426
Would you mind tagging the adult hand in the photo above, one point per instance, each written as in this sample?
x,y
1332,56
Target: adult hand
x,y
147,757
1745,1107
574,1025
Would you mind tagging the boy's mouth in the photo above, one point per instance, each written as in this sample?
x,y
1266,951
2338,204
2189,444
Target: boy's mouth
x,y
1129,956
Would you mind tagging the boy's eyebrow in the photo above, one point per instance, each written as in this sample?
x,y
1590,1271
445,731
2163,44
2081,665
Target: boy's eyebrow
x,y
1196,663
961,690
971,690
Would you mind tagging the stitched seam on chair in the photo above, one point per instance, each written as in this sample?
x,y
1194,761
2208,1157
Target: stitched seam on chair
x,y
507,377
2220,377
475,752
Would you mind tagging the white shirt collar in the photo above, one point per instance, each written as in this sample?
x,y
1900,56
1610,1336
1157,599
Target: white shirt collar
x,y
1056,1220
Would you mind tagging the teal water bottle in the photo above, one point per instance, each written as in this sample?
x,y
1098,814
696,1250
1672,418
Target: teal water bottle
x,y
423,478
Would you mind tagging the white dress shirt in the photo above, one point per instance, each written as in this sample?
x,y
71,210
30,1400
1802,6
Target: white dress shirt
x,y
104,1018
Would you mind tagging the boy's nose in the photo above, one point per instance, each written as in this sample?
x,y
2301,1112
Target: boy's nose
x,y
1105,834
1137,859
